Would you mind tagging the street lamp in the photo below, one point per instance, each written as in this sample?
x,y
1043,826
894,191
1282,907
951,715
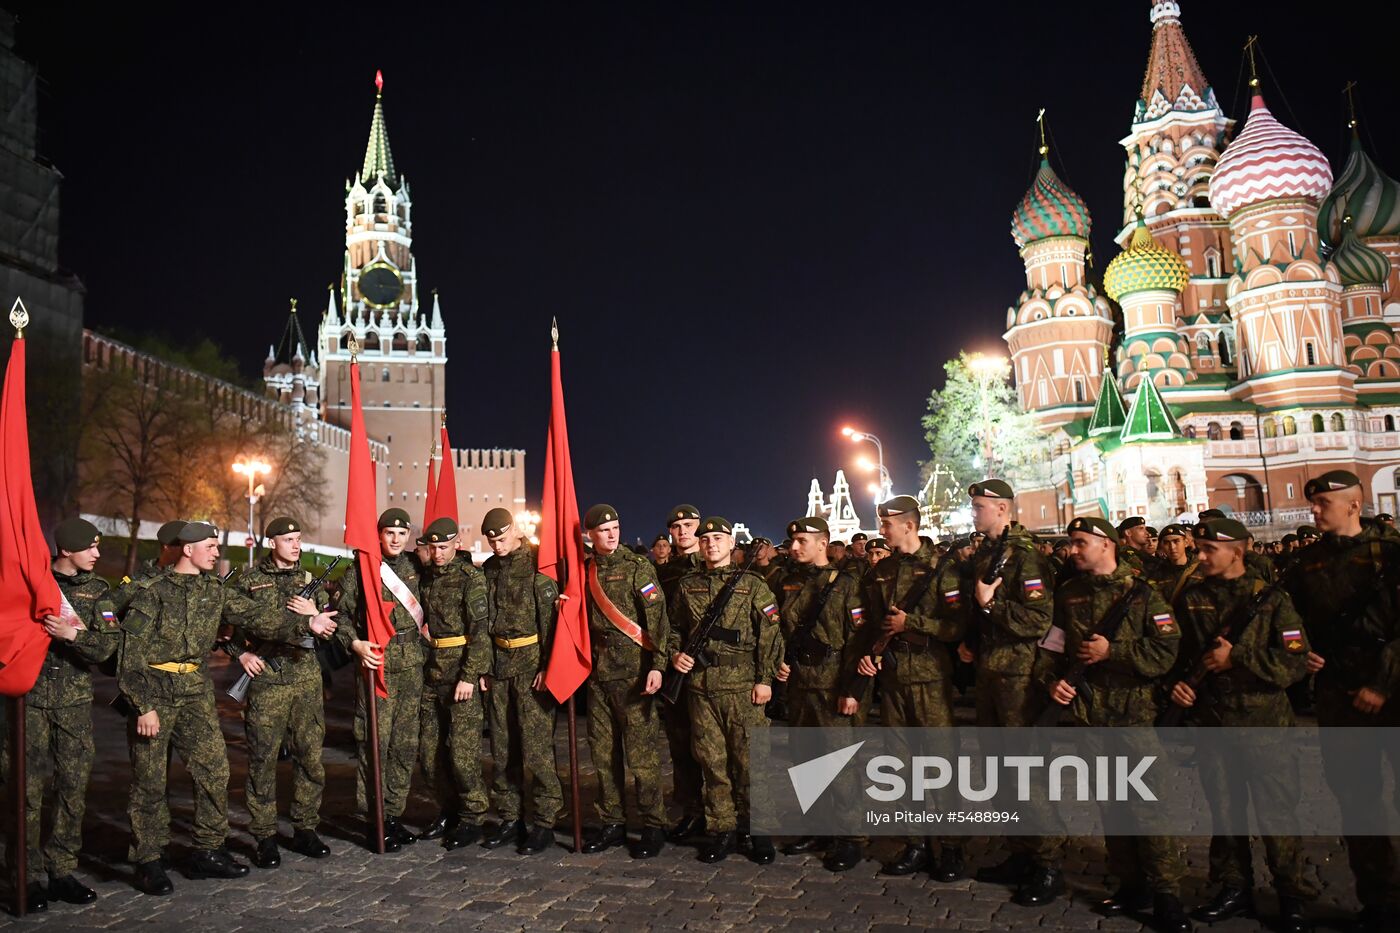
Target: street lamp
x,y
251,467
886,486
986,369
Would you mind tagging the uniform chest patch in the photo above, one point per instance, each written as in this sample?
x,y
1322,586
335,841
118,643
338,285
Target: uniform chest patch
x,y
1034,588
1293,641
1076,600
260,586
792,587
614,577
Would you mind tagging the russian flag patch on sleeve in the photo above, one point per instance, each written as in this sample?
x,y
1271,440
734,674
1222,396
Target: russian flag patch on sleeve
x,y
1034,588
649,591
770,610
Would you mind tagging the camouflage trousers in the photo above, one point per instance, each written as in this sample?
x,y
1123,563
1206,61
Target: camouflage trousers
x,y
624,735
1018,700
449,749
923,705
398,739
720,728
189,724
816,708
58,760
294,712
686,779
1355,770
522,743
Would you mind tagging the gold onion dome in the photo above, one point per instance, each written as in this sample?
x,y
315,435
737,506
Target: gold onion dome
x,y
1144,265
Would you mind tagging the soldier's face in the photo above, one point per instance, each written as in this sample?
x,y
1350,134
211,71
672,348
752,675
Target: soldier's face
x,y
203,554
1172,548
84,560
661,551
605,536
716,548
287,548
1135,537
392,541
505,542
683,533
1090,553
442,552
899,531
1220,558
858,548
835,552
877,554
806,546
1150,546
1335,511
989,515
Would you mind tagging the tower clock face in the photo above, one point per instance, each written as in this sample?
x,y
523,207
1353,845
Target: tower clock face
x,y
380,285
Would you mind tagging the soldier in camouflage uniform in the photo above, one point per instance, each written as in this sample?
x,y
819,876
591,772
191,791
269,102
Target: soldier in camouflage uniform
x,y
1006,620
1122,674
1256,562
284,698
916,670
522,604
168,536
402,661
727,693
166,636
1345,590
822,607
1132,546
1245,685
1173,569
459,655
682,522
628,631
59,748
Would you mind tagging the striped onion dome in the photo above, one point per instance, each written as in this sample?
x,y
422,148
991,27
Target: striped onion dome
x,y
1144,265
1049,209
1267,162
1357,263
1369,196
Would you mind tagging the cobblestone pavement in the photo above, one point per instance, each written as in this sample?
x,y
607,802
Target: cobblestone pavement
x,y
424,887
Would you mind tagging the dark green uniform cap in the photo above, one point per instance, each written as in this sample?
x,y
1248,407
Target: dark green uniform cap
x,y
1331,482
496,523
1132,521
1208,514
169,533
1093,525
1222,529
1174,530
600,514
812,524
195,532
991,489
1384,517
1289,538
394,518
1308,531
899,505
877,544
716,525
281,526
682,512
76,534
1151,532
859,536
440,530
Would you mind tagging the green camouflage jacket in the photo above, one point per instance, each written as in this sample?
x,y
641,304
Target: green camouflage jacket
x,y
1260,565
751,614
126,590
405,650
939,617
669,574
1020,613
1268,656
1143,649
833,632
175,617
65,678
276,637
1171,580
521,603
454,598
1345,590
629,581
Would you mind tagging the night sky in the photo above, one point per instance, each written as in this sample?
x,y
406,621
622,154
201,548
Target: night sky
x,y
755,222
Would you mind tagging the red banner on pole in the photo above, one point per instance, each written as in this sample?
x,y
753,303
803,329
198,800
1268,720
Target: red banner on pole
x,y
362,529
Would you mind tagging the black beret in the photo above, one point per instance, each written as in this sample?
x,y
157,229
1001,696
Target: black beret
x,y
899,505
962,541
1093,525
1308,531
195,532
76,534
1289,537
1061,542
1384,517
496,522
169,533
1208,514
839,543
761,540
991,489
660,538
858,536
682,512
394,518
1151,532
1221,529
877,544
600,514
1175,530
439,531
716,525
1330,482
812,524
1132,521
281,526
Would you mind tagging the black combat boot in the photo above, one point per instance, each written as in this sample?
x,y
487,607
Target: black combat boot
x,y
687,827
761,851
1228,902
214,863
602,838
447,820
463,834
35,900
1125,901
651,843
394,827
807,844
1042,885
70,890
267,854
306,842
718,846
152,879
1168,916
391,843
844,855
539,839
498,834
913,858
951,864
1292,918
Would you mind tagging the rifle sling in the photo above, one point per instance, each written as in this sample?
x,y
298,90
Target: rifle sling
x,y
814,613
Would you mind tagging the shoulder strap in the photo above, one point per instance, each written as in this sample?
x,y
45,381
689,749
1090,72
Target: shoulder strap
x,y
814,612
1182,580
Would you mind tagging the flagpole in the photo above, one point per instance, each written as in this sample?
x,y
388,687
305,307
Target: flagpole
x,y
575,796
17,755
376,778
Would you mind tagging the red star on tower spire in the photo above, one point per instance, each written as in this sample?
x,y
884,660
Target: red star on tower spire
x,y
379,81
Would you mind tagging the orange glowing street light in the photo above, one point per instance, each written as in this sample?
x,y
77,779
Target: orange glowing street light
x,y
885,488
251,467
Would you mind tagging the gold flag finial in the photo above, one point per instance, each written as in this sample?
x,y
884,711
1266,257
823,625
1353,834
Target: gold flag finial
x,y
1040,124
19,317
1253,68
444,417
1351,104
554,332
353,346
294,306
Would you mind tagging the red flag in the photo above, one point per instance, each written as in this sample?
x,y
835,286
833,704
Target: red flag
x,y
446,502
28,591
429,506
561,551
362,528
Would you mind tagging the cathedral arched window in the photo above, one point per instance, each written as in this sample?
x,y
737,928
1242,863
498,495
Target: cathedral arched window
x,y
384,375
1290,426
1338,422
381,206
1226,350
1270,428
1236,431
1203,345
1318,425
1390,422
423,345
1309,349
1213,431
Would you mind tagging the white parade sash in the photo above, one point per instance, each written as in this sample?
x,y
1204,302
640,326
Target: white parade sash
x,y
404,595
67,613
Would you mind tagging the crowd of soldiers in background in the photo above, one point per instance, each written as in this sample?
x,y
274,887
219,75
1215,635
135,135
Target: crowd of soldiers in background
x,y
690,639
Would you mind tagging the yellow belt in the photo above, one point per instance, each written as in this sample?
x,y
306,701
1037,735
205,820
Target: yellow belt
x,y
451,641
516,642
176,667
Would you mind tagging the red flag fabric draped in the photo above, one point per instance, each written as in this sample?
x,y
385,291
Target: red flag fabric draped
x,y
28,591
561,552
362,528
429,508
446,501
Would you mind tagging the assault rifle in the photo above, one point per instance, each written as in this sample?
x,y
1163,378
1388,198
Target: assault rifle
x,y
995,569
860,683
1107,628
698,645
803,647
239,690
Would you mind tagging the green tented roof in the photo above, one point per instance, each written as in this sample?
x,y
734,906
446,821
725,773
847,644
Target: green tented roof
x,y
1109,412
1149,419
